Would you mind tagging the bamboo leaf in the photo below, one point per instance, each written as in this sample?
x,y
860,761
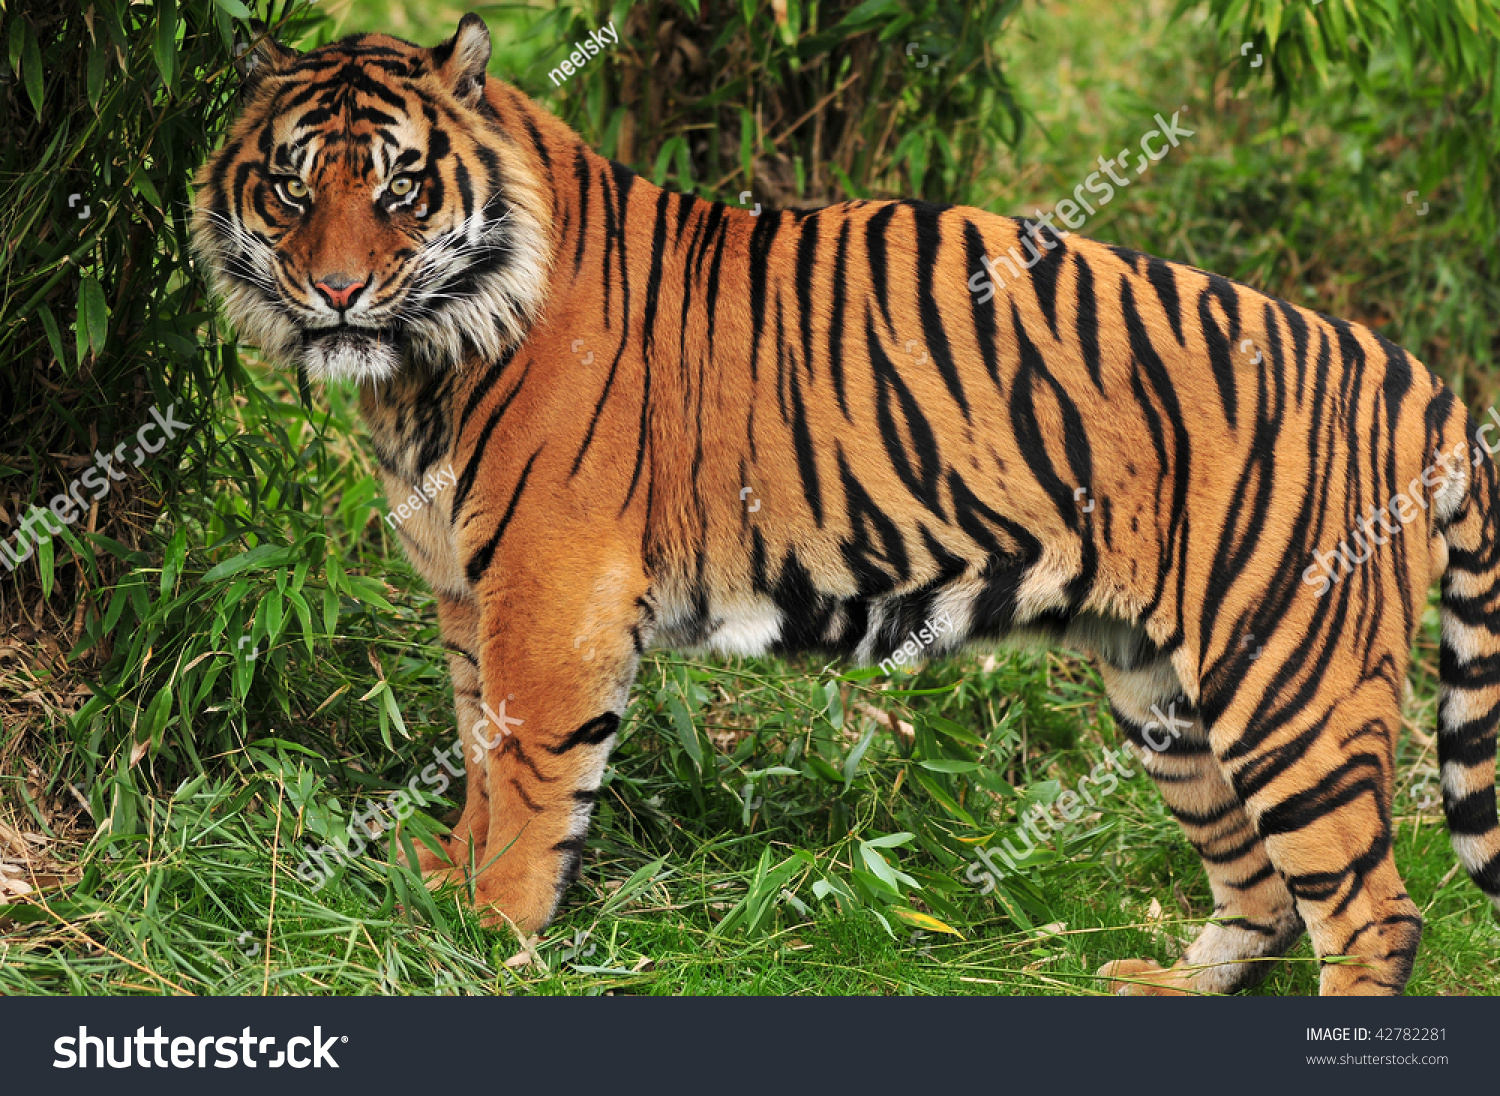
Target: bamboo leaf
x,y
164,45
260,558
54,336
687,734
93,312
31,66
98,59
926,921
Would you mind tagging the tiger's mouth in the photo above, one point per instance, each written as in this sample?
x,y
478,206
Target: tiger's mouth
x,y
346,352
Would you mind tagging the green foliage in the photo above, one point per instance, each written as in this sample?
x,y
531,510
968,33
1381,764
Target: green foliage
x,y
1307,40
801,103
1441,57
107,109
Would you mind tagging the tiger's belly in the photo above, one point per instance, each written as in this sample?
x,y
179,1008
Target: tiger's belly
x,y
899,630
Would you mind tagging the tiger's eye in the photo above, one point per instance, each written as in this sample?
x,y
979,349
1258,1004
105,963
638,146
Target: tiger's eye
x,y
295,188
401,186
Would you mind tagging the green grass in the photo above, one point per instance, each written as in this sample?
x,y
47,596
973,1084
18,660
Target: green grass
x,y
188,905
190,888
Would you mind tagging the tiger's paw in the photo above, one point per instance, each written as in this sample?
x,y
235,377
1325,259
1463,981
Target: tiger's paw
x,y
504,903
494,910
1144,978
452,865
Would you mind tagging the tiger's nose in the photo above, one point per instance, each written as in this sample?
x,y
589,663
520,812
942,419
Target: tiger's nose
x,y
339,290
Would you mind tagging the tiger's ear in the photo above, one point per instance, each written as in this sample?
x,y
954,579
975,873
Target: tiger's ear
x,y
461,60
259,55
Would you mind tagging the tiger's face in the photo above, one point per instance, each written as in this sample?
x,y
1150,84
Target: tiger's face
x,y
368,209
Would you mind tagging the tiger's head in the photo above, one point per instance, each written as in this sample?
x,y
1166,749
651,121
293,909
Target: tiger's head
x,y
368,208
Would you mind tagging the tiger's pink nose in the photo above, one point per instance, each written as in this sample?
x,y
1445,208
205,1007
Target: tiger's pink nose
x,y
338,290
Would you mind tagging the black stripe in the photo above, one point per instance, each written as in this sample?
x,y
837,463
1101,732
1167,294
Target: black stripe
x,y
1222,345
1467,744
929,241
807,254
471,470
584,176
593,733
1252,880
1030,374
684,210
1246,925
875,571
718,230
1159,274
981,524
875,255
1300,341
1044,272
807,460
614,236
491,375
983,314
1229,856
539,144
1177,463
1473,814
521,791
512,744
456,649
1087,320
921,480
1204,818
836,321
641,439
653,280
1476,673
1338,789
480,561
1487,876
761,239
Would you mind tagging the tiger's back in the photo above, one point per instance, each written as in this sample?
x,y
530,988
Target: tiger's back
x,y
881,429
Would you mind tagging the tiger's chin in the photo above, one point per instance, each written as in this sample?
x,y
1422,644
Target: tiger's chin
x,y
347,354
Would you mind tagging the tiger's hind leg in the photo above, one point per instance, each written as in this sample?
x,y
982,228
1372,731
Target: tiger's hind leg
x,y
1317,780
1255,917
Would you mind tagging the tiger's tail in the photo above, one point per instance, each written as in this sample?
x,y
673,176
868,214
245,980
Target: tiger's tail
x,y
1469,700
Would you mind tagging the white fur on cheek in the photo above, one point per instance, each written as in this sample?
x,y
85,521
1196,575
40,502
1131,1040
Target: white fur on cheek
x,y
497,312
241,271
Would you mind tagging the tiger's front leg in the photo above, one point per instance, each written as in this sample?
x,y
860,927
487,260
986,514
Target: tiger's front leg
x,y
463,846
557,654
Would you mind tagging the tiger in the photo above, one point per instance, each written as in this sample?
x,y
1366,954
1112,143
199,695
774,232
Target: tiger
x,y
675,423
